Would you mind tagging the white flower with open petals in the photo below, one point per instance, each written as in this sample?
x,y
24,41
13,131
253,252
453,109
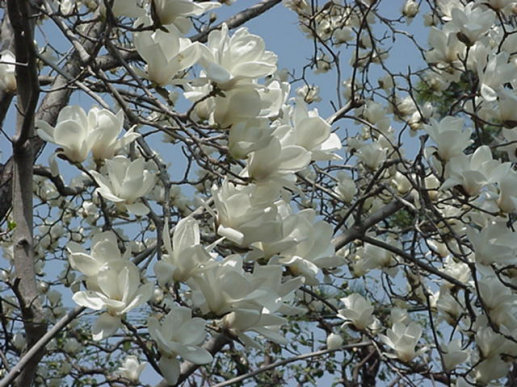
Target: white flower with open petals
x,y
71,133
403,340
358,311
246,214
450,136
119,291
241,57
166,53
104,248
471,22
277,163
78,133
105,128
127,181
131,368
178,335
177,11
184,256
309,131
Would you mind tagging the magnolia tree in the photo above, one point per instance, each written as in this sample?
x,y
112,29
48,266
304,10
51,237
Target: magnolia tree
x,y
174,209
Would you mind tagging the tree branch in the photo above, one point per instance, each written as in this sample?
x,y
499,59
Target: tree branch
x,y
40,345
290,360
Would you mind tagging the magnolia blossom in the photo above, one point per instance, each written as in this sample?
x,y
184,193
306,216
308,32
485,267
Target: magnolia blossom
x,y
446,49
312,249
334,341
131,368
372,155
494,243
78,134
453,354
166,53
241,57
104,248
105,128
471,22
223,287
184,256
71,133
345,188
118,291
491,346
472,172
499,302
358,311
127,181
246,214
248,136
178,334
311,132
494,71
177,12
450,136
276,163
403,339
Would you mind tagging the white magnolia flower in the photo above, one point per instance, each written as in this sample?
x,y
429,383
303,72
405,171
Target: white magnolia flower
x,y
177,12
494,243
471,22
277,163
453,354
248,136
7,71
410,9
345,188
246,214
446,49
127,181
450,136
358,311
241,57
491,345
403,339
494,71
178,335
507,113
104,248
225,287
507,183
166,53
309,131
243,102
71,133
311,248
184,256
372,154
131,368
105,127
472,172
499,301
78,134
118,292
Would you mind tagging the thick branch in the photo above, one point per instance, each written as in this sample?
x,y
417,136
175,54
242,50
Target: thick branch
x,y
27,97
359,229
